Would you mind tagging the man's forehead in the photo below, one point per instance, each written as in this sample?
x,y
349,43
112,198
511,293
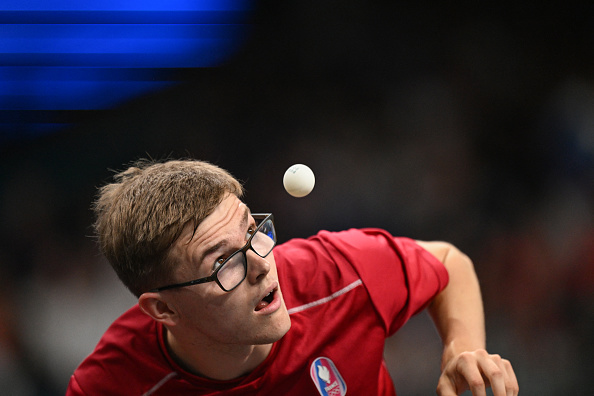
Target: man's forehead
x,y
226,213
214,230
227,218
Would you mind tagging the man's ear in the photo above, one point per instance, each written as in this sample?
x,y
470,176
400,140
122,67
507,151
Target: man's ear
x,y
154,305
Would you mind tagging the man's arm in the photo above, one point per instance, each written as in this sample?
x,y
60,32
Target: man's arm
x,y
458,315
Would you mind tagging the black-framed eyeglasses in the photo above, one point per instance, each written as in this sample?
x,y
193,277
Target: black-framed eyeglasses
x,y
233,270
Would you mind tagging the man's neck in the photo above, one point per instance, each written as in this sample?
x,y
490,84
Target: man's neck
x,y
216,361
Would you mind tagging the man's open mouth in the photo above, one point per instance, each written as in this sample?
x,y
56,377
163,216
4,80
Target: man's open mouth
x,y
266,300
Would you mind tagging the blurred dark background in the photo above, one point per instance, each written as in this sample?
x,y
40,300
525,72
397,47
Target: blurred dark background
x,y
473,125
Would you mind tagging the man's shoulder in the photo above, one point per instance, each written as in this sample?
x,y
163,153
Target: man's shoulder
x,y
330,242
133,335
133,320
320,266
131,345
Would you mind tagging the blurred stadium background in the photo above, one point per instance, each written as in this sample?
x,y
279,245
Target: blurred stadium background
x,y
472,125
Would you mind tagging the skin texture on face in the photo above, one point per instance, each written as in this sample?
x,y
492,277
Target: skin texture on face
x,y
203,317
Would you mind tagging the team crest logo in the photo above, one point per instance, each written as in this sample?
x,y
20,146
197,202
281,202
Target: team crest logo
x,y
327,378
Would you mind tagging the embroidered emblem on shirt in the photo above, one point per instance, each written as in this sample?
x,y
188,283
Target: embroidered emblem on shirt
x,y
326,377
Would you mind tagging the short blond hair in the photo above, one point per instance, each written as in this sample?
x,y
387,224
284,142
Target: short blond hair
x,y
141,215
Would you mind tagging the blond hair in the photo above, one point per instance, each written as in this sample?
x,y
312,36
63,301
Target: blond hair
x,y
141,215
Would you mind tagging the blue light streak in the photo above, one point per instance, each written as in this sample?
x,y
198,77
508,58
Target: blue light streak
x,y
80,55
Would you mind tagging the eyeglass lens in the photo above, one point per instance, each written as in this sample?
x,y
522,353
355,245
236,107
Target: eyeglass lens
x,y
233,271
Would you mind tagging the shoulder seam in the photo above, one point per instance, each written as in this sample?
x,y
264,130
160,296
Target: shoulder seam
x,y
324,300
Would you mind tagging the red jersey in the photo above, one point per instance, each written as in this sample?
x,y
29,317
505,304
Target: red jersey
x,y
346,293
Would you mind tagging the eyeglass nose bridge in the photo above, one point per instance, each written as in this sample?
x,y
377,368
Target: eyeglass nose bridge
x,y
256,252
243,254
250,244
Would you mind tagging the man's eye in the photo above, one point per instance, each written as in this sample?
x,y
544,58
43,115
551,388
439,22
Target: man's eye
x,y
250,232
218,263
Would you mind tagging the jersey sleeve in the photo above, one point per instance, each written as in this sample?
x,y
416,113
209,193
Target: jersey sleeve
x,y
127,360
400,276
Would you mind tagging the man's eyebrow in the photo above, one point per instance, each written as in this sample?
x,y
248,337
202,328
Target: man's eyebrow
x,y
213,249
244,220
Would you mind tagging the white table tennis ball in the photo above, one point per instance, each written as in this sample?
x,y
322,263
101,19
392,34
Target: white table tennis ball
x,y
299,180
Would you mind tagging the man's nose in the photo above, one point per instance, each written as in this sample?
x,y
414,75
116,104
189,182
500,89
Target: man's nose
x,y
257,267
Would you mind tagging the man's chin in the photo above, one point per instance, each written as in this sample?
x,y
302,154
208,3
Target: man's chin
x,y
276,334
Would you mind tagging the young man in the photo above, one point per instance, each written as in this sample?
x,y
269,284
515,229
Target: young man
x,y
221,313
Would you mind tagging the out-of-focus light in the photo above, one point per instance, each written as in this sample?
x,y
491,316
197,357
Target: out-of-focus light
x,y
73,55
